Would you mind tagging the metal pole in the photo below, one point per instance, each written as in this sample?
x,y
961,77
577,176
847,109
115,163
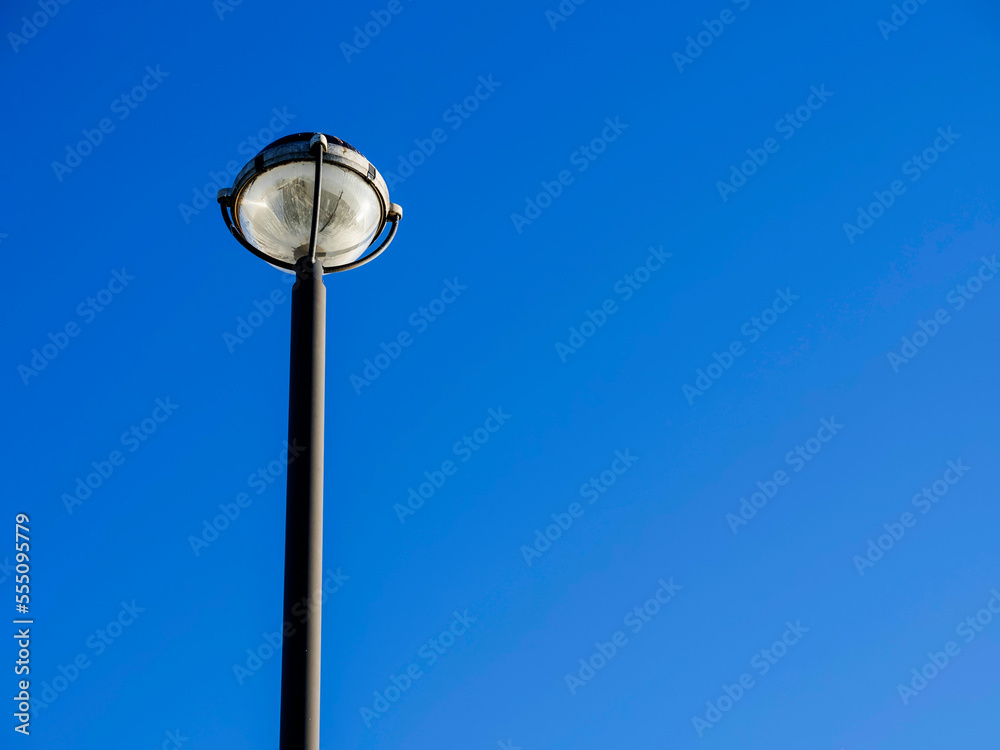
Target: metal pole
x,y
300,655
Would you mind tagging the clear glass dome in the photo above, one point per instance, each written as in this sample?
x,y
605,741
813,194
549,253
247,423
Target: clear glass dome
x,y
275,213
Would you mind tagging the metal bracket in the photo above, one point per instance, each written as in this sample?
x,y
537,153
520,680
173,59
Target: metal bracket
x,y
321,139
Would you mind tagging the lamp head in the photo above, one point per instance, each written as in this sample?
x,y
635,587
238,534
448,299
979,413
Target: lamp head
x,y
269,208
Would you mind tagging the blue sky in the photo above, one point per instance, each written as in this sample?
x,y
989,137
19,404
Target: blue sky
x,y
642,277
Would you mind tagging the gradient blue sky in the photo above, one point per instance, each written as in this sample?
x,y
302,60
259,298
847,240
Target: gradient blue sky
x,y
130,207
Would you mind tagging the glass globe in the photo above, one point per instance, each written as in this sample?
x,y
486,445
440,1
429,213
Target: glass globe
x,y
275,213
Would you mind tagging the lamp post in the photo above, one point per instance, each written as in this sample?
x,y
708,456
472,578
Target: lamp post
x,y
309,204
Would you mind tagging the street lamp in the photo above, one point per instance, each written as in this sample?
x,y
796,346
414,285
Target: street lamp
x,y
310,204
